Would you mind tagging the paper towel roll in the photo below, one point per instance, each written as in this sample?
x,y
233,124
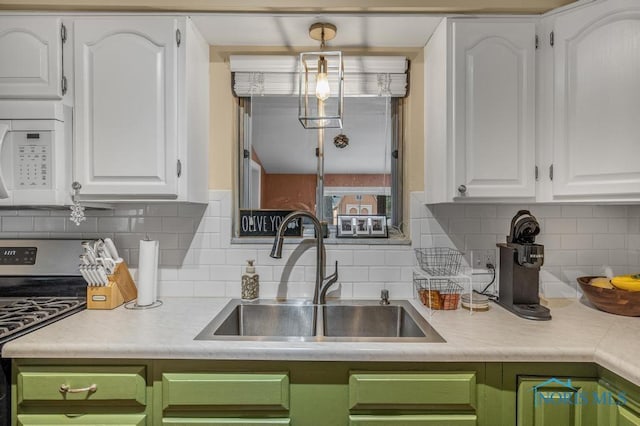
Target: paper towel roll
x,y
147,273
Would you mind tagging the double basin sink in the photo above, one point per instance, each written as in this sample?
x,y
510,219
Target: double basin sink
x,y
349,321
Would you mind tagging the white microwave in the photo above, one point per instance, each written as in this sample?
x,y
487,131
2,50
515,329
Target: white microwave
x,y
35,154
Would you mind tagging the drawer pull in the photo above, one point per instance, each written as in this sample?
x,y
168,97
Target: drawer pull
x,y
67,389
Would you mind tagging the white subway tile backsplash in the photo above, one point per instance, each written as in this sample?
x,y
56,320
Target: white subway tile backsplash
x,y
354,274
209,289
49,224
175,289
560,257
609,211
545,211
209,224
399,258
113,224
481,210
178,224
593,225
559,226
17,224
433,226
198,258
146,224
577,211
593,257
194,273
366,258
367,290
162,210
384,274
465,226
226,273
576,241
609,241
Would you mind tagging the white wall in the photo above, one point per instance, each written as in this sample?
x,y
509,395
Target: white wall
x,y
198,259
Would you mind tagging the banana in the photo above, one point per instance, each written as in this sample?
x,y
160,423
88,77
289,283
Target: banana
x,y
601,282
627,282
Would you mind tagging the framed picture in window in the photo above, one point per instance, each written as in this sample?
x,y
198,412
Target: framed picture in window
x,y
362,226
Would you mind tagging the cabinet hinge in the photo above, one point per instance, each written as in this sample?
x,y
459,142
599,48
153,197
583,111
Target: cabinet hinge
x,y
245,153
63,34
536,172
552,40
178,37
551,172
63,85
537,41
179,168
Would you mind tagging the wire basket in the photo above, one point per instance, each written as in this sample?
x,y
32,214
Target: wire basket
x,y
438,293
439,261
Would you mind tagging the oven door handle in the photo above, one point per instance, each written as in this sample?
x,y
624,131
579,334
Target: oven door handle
x,y
4,131
68,389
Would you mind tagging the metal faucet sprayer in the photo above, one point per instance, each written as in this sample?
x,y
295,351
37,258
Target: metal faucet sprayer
x,y
320,291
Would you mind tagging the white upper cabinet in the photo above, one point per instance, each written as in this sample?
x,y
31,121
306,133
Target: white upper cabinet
x,y
134,115
596,137
480,110
30,57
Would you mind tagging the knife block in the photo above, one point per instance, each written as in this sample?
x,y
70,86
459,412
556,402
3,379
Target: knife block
x,y
121,289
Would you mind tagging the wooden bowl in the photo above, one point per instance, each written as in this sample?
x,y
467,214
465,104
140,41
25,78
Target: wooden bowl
x,y
612,300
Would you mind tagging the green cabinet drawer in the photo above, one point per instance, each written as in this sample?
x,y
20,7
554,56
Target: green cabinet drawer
x,y
224,422
268,391
414,420
82,420
412,390
82,384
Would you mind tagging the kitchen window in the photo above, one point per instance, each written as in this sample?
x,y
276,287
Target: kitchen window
x,y
362,161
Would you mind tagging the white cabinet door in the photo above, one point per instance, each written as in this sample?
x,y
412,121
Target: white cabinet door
x,y
480,110
494,108
597,101
126,107
30,57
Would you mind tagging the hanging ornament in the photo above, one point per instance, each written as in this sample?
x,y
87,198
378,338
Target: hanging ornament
x,y
77,211
341,141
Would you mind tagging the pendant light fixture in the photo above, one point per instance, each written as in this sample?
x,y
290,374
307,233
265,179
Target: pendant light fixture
x,y
321,81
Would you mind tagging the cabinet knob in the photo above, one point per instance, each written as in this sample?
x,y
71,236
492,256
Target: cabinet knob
x,y
76,186
462,189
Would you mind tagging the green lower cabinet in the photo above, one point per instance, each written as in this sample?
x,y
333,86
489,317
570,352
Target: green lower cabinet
x,y
413,420
82,420
617,406
552,401
224,422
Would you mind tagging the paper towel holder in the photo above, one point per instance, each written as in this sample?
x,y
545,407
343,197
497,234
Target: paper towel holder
x,y
134,305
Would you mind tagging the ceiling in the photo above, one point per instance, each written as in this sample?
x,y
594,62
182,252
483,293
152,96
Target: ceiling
x,y
359,31
284,146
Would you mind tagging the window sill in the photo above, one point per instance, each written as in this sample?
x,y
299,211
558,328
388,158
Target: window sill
x,y
395,239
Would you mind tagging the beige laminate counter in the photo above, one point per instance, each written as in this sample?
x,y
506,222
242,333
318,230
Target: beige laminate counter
x,y
577,333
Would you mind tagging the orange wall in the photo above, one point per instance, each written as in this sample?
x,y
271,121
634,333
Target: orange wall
x,y
297,191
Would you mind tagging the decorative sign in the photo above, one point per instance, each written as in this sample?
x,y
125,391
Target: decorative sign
x,y
358,226
265,223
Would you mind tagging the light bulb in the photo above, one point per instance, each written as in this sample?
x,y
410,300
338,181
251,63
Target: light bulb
x,y
322,86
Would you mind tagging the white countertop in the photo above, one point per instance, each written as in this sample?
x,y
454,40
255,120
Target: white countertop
x,y
577,333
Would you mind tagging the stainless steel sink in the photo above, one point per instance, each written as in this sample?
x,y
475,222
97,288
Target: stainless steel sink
x,y
348,321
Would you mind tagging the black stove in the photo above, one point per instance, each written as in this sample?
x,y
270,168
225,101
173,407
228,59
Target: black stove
x,y
26,314
39,284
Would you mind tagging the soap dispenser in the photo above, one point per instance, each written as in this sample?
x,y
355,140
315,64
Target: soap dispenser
x,y
250,282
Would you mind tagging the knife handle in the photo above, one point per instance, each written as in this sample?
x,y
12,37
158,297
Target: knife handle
x,y
111,249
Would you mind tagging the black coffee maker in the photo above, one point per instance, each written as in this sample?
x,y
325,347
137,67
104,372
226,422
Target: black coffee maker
x,y
520,262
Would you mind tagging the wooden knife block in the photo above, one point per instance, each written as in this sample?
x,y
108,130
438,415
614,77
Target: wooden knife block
x,y
121,289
